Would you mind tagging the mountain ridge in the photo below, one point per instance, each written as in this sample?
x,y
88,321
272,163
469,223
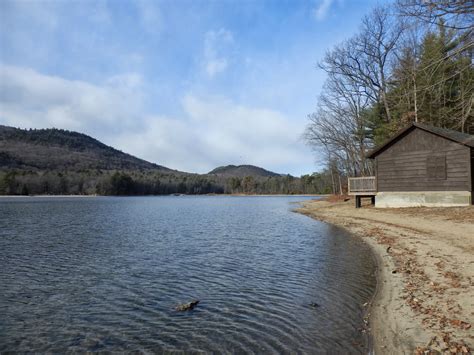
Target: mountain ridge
x,y
53,148
60,162
59,149
242,171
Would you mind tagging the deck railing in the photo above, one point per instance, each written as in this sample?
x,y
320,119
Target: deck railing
x,y
362,185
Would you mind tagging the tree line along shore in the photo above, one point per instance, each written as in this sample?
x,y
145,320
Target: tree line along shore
x,y
409,61
61,162
104,182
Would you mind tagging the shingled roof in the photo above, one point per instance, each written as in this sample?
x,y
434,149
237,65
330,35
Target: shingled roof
x,y
455,136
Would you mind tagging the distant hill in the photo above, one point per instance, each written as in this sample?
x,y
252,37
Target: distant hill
x,y
57,149
60,162
242,171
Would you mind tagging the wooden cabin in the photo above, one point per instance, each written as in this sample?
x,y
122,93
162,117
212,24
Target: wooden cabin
x,y
421,165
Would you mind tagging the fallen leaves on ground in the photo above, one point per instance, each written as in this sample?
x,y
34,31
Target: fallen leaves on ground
x,y
418,294
431,295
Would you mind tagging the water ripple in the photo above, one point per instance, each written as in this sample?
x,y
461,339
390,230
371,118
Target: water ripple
x,y
105,275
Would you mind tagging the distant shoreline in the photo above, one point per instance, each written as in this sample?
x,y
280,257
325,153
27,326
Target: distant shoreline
x,y
53,196
172,195
424,294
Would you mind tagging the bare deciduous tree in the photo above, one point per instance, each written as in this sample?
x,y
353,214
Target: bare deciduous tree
x,y
458,14
393,72
367,58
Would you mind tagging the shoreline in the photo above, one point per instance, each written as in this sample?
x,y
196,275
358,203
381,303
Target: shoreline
x,y
424,298
28,196
168,195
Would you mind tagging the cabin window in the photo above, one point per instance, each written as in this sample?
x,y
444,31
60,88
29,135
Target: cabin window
x,y
436,167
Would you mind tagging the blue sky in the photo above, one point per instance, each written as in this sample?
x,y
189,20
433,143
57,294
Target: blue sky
x,y
187,84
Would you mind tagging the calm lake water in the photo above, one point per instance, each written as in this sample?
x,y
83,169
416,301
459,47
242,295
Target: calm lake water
x,y
104,274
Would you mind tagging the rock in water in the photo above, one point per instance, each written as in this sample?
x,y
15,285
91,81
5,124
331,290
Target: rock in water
x,y
187,306
314,305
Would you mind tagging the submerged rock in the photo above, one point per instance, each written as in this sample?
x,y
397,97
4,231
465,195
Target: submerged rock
x,y
187,306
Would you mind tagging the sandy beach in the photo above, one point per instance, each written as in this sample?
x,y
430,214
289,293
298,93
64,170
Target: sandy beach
x,y
424,303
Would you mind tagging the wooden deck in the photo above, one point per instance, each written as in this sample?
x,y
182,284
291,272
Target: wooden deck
x,y
361,187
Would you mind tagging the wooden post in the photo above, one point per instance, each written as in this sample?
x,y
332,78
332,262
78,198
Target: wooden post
x,y
358,202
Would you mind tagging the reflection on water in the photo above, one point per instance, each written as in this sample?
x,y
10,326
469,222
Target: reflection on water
x,y
104,274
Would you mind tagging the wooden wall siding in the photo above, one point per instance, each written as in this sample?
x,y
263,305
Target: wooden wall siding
x,y
408,165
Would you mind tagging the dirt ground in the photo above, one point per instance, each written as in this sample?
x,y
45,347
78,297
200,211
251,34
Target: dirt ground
x,y
424,302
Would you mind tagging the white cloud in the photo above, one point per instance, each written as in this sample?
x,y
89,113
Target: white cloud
x,y
211,131
215,66
32,99
216,44
216,131
322,9
150,16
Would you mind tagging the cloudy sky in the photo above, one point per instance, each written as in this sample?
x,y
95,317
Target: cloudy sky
x,y
191,85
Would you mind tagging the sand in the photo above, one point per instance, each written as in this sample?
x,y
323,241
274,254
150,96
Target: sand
x,y
424,303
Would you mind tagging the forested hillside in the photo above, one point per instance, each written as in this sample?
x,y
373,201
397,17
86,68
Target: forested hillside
x,y
54,161
57,149
242,171
410,61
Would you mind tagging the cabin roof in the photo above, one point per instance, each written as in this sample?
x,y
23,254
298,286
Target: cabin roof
x,y
455,136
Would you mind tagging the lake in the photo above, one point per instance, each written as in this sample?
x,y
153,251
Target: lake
x,y
106,273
